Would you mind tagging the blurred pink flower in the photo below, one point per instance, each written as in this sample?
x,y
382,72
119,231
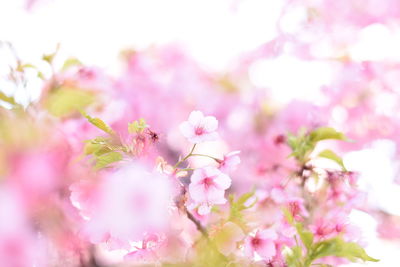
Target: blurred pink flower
x,y
227,238
19,244
297,209
207,187
230,161
124,206
261,243
199,128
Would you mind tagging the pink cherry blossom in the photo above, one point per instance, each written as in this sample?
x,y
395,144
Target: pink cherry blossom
x,y
261,243
207,187
297,209
230,161
199,128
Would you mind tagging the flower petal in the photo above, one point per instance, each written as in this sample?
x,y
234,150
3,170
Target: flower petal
x,y
223,181
210,124
196,118
186,129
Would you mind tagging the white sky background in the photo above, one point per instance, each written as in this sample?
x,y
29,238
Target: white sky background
x,y
214,32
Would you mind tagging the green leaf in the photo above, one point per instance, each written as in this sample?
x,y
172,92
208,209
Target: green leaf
x,y
325,133
293,257
288,216
137,126
236,207
339,248
65,101
91,148
25,66
104,160
292,141
99,124
8,99
329,154
70,62
306,236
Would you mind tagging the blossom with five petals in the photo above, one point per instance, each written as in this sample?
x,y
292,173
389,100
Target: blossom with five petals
x,y
199,128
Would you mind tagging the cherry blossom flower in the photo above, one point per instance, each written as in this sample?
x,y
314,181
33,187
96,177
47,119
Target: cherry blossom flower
x,y
297,209
199,128
261,243
230,161
207,187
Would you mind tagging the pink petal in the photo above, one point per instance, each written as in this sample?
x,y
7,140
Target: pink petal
x,y
197,192
266,249
186,129
198,176
196,118
267,234
223,181
210,124
215,195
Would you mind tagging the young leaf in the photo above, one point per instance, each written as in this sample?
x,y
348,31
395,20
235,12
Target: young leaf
x,y
293,257
65,101
99,124
339,248
104,160
8,99
325,133
306,236
236,207
70,62
137,126
91,147
288,216
329,154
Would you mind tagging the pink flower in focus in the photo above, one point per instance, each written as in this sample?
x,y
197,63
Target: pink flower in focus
x,y
198,128
207,187
262,243
230,161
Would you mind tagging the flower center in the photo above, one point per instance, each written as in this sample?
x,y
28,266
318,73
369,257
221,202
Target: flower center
x,y
255,242
199,131
294,208
208,181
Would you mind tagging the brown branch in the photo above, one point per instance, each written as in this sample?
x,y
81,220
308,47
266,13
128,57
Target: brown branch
x,y
199,227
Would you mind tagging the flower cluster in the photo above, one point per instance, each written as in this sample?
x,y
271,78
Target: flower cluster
x,y
129,171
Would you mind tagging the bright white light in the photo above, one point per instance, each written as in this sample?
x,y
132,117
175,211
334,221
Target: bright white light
x,y
289,78
377,42
376,166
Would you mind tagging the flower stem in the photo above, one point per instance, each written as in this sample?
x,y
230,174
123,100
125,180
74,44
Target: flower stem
x,y
207,156
199,227
185,158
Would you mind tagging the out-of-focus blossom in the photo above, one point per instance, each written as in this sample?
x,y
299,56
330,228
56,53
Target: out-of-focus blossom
x,y
230,162
227,238
19,245
297,209
207,187
125,205
261,243
199,128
